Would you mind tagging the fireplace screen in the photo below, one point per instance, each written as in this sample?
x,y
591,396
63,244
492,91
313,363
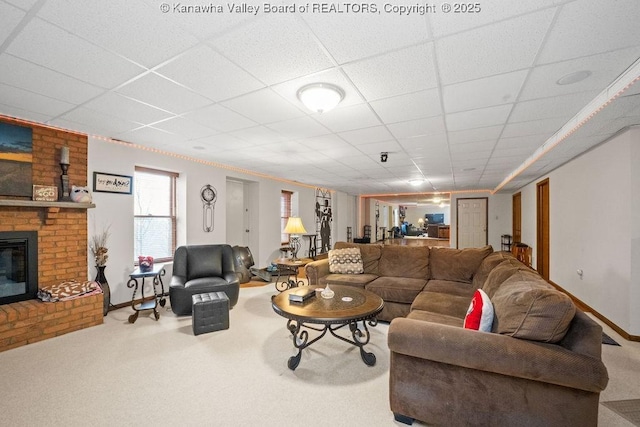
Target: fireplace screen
x,y
18,266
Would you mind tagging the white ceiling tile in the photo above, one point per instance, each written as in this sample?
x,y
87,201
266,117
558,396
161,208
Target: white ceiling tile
x,y
106,125
252,106
258,135
495,49
185,128
420,127
425,103
589,26
223,142
604,68
396,73
431,141
534,127
132,28
478,118
127,108
210,74
290,51
487,92
151,137
33,102
13,111
564,106
301,127
25,75
348,118
22,4
220,118
392,31
51,47
366,135
472,147
11,17
475,134
159,92
496,10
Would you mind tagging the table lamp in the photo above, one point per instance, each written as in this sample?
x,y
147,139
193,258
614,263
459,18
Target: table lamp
x,y
294,228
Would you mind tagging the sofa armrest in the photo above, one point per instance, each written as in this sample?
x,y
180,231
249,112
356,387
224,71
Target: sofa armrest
x,y
500,354
231,277
178,281
317,269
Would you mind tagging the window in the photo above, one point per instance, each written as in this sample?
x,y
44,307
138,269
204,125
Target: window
x,y
285,213
154,214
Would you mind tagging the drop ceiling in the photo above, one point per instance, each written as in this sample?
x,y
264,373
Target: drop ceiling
x,y
466,101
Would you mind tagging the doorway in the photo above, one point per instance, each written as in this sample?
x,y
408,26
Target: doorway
x,y
517,218
542,228
238,232
471,223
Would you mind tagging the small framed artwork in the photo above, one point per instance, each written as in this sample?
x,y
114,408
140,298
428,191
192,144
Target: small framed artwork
x,y
111,183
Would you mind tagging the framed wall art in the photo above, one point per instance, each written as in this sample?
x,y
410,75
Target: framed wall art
x,y
110,183
16,157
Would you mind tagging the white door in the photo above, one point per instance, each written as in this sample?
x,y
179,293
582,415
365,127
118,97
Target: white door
x,y
472,223
237,215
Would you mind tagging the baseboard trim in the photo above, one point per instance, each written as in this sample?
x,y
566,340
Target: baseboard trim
x,y
585,307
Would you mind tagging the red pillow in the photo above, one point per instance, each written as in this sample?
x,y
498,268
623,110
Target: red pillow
x,y
480,313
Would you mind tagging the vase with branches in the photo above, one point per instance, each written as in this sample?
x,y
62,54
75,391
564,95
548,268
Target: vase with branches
x,y
98,246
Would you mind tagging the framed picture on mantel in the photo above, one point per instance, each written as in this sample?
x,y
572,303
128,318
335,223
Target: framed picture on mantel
x,y
111,183
16,157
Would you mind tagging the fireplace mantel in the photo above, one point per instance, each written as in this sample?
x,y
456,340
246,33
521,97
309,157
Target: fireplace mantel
x,y
52,207
37,204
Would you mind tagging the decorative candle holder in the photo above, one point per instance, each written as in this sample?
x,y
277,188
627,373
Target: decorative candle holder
x,y
65,194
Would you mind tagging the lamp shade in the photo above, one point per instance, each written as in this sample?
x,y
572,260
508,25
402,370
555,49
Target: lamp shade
x,y
320,97
294,226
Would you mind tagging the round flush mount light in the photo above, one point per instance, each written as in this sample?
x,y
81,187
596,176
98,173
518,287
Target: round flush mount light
x,y
320,97
572,78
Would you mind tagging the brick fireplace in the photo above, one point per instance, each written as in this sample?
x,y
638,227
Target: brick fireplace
x,y
62,244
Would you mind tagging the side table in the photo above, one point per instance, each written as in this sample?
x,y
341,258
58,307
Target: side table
x,y
155,274
287,267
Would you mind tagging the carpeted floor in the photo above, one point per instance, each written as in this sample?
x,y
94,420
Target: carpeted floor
x,y
628,409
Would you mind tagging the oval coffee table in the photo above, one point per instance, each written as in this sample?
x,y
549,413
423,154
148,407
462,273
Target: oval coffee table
x,y
320,314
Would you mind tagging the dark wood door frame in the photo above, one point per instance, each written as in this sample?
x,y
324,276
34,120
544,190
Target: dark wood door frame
x,y
516,223
542,228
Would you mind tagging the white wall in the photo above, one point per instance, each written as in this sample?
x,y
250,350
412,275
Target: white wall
x,y
594,212
116,210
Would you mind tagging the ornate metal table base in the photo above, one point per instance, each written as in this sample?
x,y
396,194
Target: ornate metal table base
x,y
158,297
284,280
360,337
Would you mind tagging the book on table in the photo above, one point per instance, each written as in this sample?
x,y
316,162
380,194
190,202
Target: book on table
x,y
302,294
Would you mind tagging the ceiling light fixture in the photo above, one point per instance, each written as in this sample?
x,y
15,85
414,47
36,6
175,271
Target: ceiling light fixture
x,y
416,181
572,78
320,97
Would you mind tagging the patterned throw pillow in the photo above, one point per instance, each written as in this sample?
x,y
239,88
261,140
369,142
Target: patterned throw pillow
x,y
345,261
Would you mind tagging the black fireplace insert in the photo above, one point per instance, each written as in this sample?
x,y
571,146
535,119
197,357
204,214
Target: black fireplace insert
x,y
18,266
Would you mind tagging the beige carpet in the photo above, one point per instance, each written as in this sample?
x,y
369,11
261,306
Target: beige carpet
x,y
628,409
159,374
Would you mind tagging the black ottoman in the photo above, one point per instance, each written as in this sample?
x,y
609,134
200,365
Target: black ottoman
x,y
210,312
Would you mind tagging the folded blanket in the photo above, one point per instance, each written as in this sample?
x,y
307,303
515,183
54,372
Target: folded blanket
x,y
68,290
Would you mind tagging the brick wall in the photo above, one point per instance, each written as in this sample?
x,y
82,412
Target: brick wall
x,y
62,242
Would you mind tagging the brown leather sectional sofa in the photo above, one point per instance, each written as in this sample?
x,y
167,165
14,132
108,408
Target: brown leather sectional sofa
x,y
540,366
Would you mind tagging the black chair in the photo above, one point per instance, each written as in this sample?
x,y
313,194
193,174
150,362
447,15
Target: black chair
x,y
200,269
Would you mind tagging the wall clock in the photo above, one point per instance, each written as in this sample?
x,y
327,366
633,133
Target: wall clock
x,y
208,194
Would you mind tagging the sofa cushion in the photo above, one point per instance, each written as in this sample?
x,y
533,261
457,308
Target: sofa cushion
x,y
345,261
487,265
450,287
456,264
480,313
405,261
436,302
370,255
502,272
428,316
396,289
527,307
358,280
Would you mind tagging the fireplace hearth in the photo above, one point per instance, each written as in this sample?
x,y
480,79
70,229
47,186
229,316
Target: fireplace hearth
x,y
18,266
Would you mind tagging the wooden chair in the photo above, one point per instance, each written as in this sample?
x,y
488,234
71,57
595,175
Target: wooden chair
x,y
522,252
